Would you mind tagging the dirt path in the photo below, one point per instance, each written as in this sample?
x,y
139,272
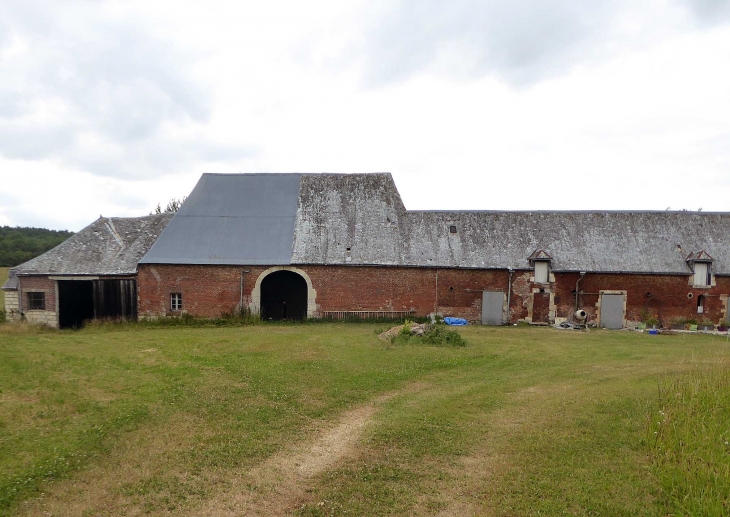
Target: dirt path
x,y
275,487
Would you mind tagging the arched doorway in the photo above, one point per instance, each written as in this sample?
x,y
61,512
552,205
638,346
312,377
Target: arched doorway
x,y
283,296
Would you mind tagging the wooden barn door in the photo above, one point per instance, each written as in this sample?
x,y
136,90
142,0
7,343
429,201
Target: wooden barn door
x,y
541,308
115,299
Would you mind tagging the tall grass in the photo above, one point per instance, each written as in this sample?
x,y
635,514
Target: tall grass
x,y
690,436
3,279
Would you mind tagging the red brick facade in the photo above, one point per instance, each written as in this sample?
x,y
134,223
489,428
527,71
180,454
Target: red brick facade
x,y
41,284
667,298
210,291
207,291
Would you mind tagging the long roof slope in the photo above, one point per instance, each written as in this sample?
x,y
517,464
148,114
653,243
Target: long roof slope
x,y
108,246
359,219
232,219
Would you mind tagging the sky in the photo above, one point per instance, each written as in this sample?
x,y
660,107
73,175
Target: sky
x,y
109,108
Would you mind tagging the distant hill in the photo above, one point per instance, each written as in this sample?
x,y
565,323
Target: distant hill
x,y
18,245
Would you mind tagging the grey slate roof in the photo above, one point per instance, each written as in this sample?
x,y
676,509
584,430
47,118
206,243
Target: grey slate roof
x,y
637,242
11,284
232,219
108,246
279,219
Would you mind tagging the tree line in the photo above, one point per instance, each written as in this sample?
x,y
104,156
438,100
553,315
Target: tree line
x,y
18,245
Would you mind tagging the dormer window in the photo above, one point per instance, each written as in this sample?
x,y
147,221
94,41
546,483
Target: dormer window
x,y
542,271
701,264
702,274
540,260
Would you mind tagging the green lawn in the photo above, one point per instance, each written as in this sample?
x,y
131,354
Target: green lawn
x,y
325,419
3,278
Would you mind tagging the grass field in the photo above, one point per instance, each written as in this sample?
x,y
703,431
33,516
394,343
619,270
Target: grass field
x,y
3,278
326,419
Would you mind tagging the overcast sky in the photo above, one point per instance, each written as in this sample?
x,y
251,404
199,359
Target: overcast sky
x,y
111,107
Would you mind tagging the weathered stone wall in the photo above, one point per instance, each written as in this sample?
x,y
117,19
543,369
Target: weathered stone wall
x,y
12,312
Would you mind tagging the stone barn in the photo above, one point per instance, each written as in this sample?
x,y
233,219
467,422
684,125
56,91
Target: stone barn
x,y
295,246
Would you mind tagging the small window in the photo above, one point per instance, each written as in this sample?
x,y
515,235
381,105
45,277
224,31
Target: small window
x,y
452,228
541,271
701,304
702,274
176,301
37,301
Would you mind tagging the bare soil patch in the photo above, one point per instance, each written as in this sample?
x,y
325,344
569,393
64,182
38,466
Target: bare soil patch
x,y
276,486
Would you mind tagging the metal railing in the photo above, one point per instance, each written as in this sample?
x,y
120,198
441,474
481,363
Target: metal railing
x,y
366,315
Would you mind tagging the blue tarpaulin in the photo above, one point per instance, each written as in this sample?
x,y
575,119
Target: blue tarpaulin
x,y
457,322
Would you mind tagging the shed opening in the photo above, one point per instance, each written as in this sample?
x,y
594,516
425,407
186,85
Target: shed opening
x,y
283,296
82,300
75,303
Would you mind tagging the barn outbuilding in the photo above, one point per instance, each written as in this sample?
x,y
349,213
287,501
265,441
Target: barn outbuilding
x,y
93,274
295,246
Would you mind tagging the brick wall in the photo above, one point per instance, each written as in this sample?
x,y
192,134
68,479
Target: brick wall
x,y
43,284
377,288
210,291
662,296
207,291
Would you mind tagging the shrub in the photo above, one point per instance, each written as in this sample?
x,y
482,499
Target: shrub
x,y
441,335
435,335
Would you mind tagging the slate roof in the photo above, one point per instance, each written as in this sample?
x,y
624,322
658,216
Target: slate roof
x,y
232,219
11,284
108,246
359,219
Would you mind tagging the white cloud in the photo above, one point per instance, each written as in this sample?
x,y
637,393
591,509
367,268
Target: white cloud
x,y
96,91
111,107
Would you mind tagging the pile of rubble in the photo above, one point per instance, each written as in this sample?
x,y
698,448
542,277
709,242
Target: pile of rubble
x,y
416,330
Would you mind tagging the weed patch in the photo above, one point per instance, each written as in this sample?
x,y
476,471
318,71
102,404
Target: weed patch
x,y
434,335
689,433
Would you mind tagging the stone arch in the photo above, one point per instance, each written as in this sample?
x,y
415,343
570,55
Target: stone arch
x,y
255,305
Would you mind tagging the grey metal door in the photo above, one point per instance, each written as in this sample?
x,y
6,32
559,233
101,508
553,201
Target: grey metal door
x,y
492,305
612,311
